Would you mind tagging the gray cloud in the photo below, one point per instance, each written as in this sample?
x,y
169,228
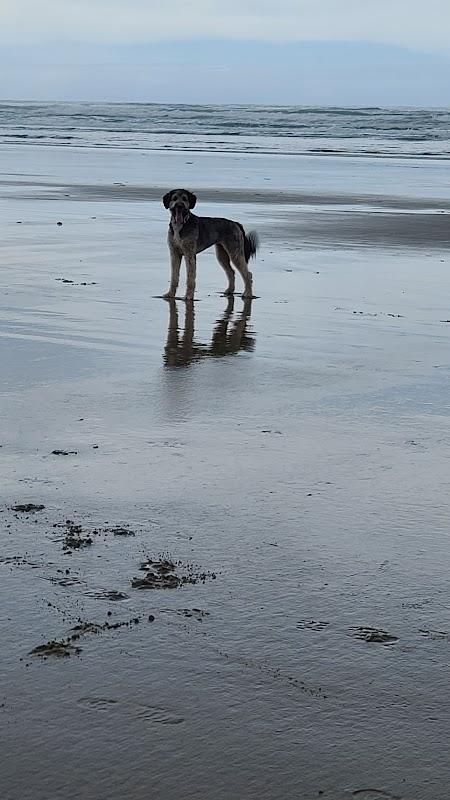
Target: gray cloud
x,y
410,23
227,72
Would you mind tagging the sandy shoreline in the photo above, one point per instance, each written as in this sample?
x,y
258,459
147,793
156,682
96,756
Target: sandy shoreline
x,y
41,190
290,458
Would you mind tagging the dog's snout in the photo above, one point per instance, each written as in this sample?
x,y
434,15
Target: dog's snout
x,y
179,212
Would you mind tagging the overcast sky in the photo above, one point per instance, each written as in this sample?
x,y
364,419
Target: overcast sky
x,y
349,52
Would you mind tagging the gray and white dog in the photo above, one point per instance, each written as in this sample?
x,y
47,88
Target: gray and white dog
x,y
189,235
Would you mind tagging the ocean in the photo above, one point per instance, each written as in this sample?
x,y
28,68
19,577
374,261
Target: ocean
x,y
399,132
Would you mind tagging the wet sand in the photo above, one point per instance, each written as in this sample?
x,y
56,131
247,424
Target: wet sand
x,y
238,584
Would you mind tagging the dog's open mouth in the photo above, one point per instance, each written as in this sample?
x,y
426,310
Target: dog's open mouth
x,y
179,215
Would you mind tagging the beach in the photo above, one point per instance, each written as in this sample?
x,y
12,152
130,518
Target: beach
x,y
284,461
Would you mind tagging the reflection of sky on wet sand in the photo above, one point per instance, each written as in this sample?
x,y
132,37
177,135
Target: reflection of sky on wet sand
x,y
297,449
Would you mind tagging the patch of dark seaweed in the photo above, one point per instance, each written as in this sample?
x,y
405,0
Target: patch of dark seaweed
x,y
74,540
167,574
85,627
59,649
162,566
65,647
152,581
120,530
28,508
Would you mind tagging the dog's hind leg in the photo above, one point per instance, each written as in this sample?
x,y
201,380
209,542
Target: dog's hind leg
x,y
242,267
224,260
175,262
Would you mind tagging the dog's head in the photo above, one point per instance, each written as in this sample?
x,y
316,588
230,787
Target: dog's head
x,y
180,202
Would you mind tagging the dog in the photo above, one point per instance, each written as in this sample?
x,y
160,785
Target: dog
x,y
189,235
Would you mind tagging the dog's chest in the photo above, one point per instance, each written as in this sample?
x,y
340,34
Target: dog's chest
x,y
177,238
183,239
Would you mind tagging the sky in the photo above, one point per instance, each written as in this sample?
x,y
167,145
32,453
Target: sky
x,y
312,52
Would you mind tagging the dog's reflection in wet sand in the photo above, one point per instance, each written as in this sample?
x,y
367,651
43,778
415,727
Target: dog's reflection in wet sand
x,y
230,335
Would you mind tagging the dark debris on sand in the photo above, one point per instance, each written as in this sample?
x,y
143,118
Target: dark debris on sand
x,y
97,627
64,647
60,649
83,283
74,540
28,508
167,574
195,613
120,530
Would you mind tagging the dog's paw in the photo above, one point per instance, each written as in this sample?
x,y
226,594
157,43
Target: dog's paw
x,y
168,296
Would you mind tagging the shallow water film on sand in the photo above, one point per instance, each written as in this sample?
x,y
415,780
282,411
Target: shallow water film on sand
x,y
224,525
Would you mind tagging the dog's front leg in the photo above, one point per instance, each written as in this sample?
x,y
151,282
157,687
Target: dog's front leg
x,y
172,348
191,268
175,262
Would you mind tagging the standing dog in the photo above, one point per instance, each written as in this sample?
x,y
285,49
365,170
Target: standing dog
x,y
189,235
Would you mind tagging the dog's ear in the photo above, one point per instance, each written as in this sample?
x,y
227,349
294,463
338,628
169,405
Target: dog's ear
x,y
192,200
166,199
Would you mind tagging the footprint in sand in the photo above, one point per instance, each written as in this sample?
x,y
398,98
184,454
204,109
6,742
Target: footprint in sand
x,y
157,715
311,625
97,703
108,594
196,613
373,635
70,580
435,635
375,794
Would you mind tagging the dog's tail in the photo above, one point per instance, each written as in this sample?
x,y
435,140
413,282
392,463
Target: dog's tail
x,y
251,244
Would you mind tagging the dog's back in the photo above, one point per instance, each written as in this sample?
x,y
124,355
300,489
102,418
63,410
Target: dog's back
x,y
225,232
